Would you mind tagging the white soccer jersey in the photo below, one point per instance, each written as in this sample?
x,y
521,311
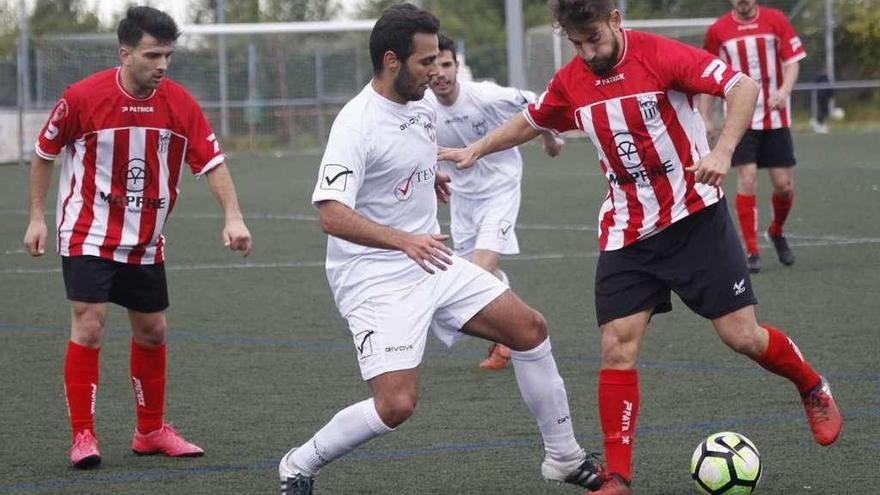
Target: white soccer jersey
x,y
480,108
380,161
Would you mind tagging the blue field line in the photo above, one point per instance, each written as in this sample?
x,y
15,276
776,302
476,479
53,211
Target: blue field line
x,y
436,351
592,440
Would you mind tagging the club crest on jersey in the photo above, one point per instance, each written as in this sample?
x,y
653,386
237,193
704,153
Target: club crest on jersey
x,y
164,139
648,106
431,132
480,127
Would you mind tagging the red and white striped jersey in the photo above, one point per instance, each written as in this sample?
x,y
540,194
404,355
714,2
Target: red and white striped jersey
x,y
759,48
123,158
642,120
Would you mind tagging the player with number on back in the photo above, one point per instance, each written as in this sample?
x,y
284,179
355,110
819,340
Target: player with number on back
x,y
664,225
484,204
125,134
761,43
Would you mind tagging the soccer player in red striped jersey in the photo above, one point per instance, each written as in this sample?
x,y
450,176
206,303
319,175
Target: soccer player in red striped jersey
x,y
664,225
761,43
124,135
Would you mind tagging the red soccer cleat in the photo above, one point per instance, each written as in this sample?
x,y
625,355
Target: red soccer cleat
x,y
165,441
499,356
614,485
84,451
822,413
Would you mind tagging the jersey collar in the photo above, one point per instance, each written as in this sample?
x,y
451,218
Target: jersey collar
x,y
119,85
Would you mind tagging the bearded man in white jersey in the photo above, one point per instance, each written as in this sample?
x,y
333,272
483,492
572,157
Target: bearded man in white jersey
x,y
485,200
394,279
125,134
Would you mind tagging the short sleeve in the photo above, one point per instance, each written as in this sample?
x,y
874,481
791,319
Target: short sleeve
x,y
695,71
791,49
507,102
61,128
552,110
203,150
342,167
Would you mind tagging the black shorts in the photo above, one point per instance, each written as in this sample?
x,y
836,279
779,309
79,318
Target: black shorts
x,y
766,148
699,258
92,279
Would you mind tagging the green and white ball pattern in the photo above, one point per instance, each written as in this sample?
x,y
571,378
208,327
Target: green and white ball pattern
x,y
726,463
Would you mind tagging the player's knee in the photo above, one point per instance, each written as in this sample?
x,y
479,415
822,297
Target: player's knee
x,y
396,409
618,350
150,332
784,190
87,326
533,332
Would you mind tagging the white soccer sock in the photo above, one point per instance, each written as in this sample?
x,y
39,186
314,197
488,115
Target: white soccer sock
x,y
544,392
348,429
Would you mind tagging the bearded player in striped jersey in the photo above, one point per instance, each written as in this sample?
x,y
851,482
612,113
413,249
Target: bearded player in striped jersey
x,y
664,225
761,43
124,135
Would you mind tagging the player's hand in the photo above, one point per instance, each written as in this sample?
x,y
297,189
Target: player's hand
x,y
711,169
35,238
427,250
441,186
462,157
552,145
236,236
778,100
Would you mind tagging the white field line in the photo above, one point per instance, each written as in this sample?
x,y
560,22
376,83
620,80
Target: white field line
x,y
796,241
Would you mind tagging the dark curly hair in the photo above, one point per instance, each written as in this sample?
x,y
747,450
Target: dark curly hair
x,y
576,14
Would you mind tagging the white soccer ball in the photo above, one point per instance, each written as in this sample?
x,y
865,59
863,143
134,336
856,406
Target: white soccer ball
x,y
726,463
837,113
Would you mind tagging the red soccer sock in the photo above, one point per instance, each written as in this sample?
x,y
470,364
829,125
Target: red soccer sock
x,y
618,408
747,211
781,207
148,380
81,386
784,358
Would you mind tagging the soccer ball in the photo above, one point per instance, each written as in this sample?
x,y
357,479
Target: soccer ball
x,y
726,463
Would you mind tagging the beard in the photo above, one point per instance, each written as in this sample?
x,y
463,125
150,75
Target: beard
x,y
406,87
603,66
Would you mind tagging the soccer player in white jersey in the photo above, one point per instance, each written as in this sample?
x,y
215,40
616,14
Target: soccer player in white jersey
x,y
125,134
394,279
762,44
664,225
485,200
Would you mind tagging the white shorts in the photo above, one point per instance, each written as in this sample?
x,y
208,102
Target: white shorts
x,y
488,223
390,329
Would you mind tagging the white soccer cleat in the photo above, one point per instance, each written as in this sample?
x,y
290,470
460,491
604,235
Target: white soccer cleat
x,y
293,480
583,471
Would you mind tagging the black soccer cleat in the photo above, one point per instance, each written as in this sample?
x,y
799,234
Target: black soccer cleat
x,y
754,263
298,484
786,257
584,472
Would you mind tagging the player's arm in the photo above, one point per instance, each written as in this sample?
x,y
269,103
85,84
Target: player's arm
x,y
551,144
514,132
741,98
41,176
705,106
790,72
340,221
235,233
